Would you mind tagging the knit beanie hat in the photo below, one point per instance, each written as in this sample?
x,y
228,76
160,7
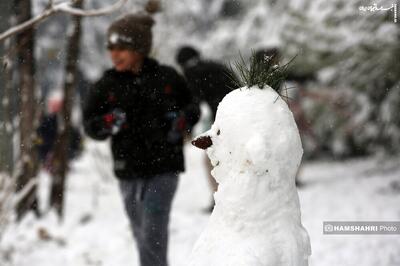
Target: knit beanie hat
x,y
185,54
133,31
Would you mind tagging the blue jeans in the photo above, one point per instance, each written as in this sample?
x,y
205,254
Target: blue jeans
x,y
148,203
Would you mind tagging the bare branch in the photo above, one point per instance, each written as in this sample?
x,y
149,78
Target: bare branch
x,y
27,24
25,190
64,7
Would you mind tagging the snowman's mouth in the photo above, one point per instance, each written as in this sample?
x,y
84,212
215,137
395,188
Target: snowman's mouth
x,y
214,163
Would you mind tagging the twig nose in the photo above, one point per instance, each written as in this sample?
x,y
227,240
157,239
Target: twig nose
x,y
202,142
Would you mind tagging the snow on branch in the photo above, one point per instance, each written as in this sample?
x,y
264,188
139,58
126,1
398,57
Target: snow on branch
x,y
27,24
67,8
63,7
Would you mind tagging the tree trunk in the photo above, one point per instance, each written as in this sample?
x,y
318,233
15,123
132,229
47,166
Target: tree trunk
x,y
61,151
26,72
6,128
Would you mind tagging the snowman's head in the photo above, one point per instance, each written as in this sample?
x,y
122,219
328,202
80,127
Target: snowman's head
x,y
254,133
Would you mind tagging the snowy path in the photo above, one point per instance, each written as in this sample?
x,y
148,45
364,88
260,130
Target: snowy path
x,y
96,232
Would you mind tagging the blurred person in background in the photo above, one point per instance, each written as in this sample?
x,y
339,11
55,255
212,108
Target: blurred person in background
x,y
47,133
210,82
146,109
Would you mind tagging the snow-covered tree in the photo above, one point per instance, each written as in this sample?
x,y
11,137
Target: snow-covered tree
x,y
25,69
20,61
354,51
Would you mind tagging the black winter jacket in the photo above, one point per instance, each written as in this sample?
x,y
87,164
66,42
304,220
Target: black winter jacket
x,y
142,147
209,82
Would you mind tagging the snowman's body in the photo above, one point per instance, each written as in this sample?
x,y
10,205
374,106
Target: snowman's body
x,y
256,151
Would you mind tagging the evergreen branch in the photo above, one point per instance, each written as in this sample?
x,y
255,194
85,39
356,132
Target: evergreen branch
x,y
260,72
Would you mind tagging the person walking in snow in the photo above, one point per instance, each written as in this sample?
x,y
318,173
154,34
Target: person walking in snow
x,y
145,108
209,82
207,79
46,134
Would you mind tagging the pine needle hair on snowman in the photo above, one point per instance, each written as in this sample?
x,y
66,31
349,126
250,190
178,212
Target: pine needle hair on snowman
x,y
255,148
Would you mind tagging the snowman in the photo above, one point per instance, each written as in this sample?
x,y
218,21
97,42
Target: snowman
x,y
255,149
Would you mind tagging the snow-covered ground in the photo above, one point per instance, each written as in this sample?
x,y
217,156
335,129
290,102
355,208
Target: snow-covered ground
x,y
96,231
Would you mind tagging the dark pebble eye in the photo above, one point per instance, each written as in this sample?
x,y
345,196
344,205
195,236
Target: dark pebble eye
x,y
218,132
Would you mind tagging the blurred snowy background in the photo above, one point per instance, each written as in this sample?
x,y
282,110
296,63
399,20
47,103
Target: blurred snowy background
x,y
346,67
346,102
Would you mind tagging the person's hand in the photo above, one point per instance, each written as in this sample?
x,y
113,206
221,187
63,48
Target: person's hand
x,y
114,120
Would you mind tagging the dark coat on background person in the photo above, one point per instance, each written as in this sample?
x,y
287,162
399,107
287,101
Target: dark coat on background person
x,y
47,135
209,81
151,100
